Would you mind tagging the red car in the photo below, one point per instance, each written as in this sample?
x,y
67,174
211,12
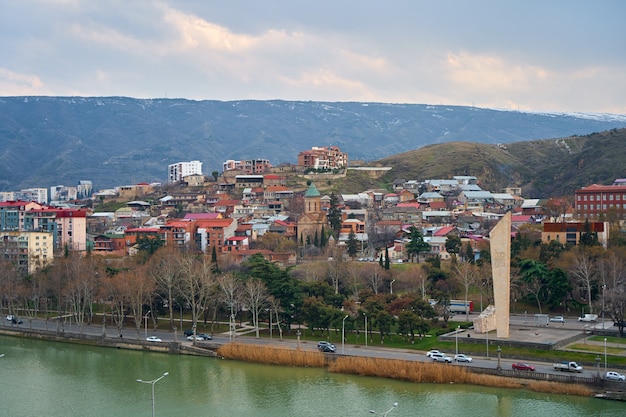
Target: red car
x,y
522,367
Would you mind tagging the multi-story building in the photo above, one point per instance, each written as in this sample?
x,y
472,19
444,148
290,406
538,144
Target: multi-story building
x,y
596,201
39,195
60,193
29,250
329,157
178,171
570,232
250,166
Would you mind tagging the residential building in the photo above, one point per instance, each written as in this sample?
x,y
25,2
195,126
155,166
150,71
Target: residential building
x,y
251,166
324,158
29,250
598,201
179,170
570,232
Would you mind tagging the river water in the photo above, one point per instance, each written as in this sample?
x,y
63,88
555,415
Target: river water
x,y
39,378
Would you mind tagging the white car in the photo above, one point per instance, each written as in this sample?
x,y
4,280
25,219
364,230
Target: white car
x,y
462,358
153,339
430,353
557,319
615,376
197,338
441,357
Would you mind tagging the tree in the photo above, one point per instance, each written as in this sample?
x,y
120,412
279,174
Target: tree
x,y
583,270
149,244
387,261
352,244
588,237
164,269
334,215
195,283
255,295
535,276
230,286
466,273
383,321
453,244
215,175
417,244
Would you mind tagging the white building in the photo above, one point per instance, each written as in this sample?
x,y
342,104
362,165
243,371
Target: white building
x,y
179,170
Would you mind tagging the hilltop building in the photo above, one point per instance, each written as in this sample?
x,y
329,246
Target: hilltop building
x,y
597,201
329,157
179,170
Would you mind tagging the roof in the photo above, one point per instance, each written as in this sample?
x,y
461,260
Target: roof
x,y
312,191
202,216
444,231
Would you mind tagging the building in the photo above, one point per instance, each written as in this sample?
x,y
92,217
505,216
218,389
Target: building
x,y
598,201
251,166
569,233
312,221
30,251
325,158
60,193
178,171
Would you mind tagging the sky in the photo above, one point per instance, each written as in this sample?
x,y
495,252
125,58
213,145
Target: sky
x,y
528,55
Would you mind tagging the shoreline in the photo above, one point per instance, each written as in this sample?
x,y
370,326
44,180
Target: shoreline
x,y
379,367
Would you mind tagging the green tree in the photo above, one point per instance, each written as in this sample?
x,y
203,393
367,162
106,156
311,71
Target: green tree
x,y
588,237
334,215
215,175
453,244
352,244
417,244
387,266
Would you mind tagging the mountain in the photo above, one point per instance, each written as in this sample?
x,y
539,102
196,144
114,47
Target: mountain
x,y
112,141
542,168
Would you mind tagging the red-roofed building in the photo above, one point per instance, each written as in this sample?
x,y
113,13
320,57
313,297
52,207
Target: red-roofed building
x,y
213,233
595,201
236,243
445,231
179,233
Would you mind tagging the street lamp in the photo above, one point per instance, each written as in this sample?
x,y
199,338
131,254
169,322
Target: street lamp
x,y
603,291
153,382
343,332
605,354
145,318
499,350
487,342
298,334
391,286
386,412
458,328
365,315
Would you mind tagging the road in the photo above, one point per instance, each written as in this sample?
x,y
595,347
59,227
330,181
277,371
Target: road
x,y
351,350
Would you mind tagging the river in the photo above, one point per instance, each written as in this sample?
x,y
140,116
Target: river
x,y
40,378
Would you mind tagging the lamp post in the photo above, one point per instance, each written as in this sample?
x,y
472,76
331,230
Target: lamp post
x,y
605,354
386,412
487,342
343,332
153,382
298,334
145,318
391,286
603,291
365,315
499,350
457,338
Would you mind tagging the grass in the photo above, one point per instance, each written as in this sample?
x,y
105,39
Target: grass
x,y
408,371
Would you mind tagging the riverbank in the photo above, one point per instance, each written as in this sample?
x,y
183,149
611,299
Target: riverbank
x,y
410,371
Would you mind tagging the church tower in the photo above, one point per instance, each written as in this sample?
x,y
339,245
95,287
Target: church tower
x,y
313,219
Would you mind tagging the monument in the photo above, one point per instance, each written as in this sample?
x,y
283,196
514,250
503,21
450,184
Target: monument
x,y
500,246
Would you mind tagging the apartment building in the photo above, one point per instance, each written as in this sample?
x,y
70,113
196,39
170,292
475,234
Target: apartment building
x,y
250,166
178,171
329,157
30,251
597,201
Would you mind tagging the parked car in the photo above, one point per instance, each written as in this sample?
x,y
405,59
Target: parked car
x,y
13,319
153,339
441,357
615,376
430,353
557,319
459,357
520,366
326,347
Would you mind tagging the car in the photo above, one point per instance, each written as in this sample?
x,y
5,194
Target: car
x,y
196,337
205,336
462,358
521,366
431,352
188,332
326,347
153,339
13,319
614,376
441,357
557,319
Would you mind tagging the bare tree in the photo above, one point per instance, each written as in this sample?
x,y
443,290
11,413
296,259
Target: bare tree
x,y
614,269
230,286
583,270
164,269
81,287
255,294
466,273
140,290
195,283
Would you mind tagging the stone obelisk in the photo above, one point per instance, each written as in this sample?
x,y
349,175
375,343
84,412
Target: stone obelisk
x,y
500,244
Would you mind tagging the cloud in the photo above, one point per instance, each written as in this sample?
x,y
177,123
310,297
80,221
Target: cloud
x,y
16,84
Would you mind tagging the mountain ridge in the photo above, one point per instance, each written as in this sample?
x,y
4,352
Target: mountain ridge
x,y
46,141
